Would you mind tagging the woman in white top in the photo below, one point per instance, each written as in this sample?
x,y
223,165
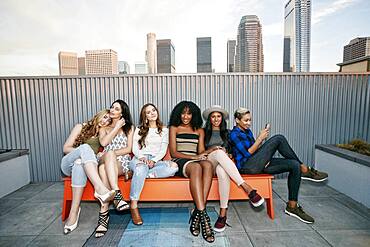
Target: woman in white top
x,y
149,147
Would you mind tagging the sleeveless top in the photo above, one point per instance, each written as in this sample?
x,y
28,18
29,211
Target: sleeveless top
x,y
94,143
118,142
187,143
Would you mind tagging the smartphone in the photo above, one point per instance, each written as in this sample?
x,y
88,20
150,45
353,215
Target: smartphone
x,y
267,126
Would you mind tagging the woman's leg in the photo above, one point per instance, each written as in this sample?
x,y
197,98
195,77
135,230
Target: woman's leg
x,y
280,165
140,171
224,189
111,168
220,157
194,172
163,169
207,175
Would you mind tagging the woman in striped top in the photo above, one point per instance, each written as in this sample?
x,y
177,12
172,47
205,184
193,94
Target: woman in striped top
x,y
187,150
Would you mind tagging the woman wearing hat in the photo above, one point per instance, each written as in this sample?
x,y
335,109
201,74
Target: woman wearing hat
x,y
253,157
216,142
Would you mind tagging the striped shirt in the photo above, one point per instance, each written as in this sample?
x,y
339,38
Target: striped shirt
x,y
240,142
187,143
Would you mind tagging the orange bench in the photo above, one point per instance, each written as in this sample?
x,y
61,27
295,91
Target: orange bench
x,y
177,189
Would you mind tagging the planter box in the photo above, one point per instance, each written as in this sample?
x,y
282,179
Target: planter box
x,y
14,171
349,172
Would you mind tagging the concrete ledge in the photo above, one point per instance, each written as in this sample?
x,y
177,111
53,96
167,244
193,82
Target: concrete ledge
x,y
346,154
345,174
14,171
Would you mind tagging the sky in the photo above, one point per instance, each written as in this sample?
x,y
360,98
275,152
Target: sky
x,y
33,32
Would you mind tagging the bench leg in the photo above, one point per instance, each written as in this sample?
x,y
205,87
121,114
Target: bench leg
x,y
66,209
270,207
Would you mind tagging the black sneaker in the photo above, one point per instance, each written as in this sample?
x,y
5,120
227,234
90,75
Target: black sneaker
x,y
220,224
314,175
299,214
255,199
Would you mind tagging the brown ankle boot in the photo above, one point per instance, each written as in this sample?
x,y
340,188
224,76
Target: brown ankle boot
x,y
135,215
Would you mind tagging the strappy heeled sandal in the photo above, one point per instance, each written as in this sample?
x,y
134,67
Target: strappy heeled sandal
x,y
194,222
103,221
119,203
207,231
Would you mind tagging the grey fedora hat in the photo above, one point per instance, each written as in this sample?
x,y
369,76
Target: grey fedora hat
x,y
215,108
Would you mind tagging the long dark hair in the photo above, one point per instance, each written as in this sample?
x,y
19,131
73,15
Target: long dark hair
x,y
223,130
196,119
144,124
126,115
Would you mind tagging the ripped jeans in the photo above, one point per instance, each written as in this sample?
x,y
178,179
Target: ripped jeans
x,y
162,169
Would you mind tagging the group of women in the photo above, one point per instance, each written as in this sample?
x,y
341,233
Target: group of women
x,y
197,153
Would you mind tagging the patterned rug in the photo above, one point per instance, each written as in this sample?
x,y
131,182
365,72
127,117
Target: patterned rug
x,y
162,227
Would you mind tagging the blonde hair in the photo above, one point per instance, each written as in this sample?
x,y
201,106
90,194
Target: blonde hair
x,y
90,128
240,112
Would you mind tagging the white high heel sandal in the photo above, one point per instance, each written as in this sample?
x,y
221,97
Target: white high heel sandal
x,y
106,197
68,229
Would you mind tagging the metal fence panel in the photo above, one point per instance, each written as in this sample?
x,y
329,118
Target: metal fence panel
x,y
37,113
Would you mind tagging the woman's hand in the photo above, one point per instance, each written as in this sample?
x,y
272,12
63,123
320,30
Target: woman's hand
x,y
120,123
264,133
202,156
150,163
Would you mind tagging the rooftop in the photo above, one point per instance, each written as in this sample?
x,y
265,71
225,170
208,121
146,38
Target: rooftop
x,y
31,216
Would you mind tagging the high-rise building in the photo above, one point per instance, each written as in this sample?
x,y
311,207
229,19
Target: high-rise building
x,y
249,48
68,63
204,54
123,67
141,68
356,56
165,56
357,48
101,62
81,66
297,36
231,44
151,53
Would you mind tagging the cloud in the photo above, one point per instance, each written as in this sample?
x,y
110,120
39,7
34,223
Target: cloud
x,y
330,9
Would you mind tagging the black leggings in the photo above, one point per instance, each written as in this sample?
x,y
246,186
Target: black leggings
x,y
290,163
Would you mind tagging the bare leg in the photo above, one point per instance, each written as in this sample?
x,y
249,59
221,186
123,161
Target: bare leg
x,y
194,170
76,200
111,169
92,173
207,172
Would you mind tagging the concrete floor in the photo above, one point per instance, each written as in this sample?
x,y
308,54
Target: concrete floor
x,y
31,217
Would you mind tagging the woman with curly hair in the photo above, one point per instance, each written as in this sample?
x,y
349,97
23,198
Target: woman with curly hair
x,y
187,150
149,147
117,140
80,149
217,145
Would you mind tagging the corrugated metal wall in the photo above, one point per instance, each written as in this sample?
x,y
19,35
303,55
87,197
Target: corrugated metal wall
x,y
37,113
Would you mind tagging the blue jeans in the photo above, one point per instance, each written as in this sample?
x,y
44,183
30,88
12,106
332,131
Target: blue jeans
x,y
162,169
290,163
73,162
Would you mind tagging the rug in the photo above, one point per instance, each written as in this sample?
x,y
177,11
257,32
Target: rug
x,y
162,227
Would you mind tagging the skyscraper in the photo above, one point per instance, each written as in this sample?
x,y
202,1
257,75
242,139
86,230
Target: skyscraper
x,y
249,48
297,36
68,63
123,67
81,66
101,62
204,54
151,53
357,48
231,44
165,56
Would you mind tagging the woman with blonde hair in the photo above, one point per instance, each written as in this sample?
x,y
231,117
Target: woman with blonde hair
x,y
80,163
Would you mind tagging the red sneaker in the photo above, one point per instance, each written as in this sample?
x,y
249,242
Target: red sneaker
x,y
255,199
220,224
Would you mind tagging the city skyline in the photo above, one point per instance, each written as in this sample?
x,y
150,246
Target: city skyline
x,y
32,37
